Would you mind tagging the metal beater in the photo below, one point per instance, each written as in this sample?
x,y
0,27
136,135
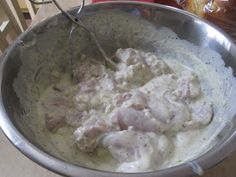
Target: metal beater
x,y
76,22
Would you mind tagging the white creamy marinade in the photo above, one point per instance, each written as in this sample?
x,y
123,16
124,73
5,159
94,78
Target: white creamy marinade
x,y
102,123
137,115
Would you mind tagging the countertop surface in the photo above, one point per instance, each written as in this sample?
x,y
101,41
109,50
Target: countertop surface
x,y
15,164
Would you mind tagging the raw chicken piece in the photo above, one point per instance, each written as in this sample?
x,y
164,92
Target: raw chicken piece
x,y
177,115
159,114
158,86
132,70
188,86
74,117
86,69
129,56
96,93
60,110
101,100
133,75
96,84
135,99
88,136
53,123
54,100
87,86
129,117
202,114
107,83
121,98
54,107
82,101
157,66
171,113
136,151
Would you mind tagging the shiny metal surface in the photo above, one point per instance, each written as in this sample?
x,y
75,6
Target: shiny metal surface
x,y
187,27
75,19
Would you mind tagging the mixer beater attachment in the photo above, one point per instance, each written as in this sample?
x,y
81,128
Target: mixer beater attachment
x,y
75,23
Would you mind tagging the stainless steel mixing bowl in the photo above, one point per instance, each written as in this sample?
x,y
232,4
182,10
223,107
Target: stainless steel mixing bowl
x,y
47,45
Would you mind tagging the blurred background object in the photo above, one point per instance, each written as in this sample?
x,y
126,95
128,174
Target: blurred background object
x,y
15,17
220,12
48,10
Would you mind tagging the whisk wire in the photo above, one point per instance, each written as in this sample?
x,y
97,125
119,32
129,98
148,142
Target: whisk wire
x,y
75,20
40,2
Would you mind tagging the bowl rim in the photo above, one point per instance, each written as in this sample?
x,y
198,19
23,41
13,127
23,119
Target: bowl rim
x,y
59,166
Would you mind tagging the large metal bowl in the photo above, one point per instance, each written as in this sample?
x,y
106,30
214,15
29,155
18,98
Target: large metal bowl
x,y
186,25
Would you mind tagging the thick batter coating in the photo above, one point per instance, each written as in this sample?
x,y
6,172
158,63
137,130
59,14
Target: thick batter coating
x,y
130,111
